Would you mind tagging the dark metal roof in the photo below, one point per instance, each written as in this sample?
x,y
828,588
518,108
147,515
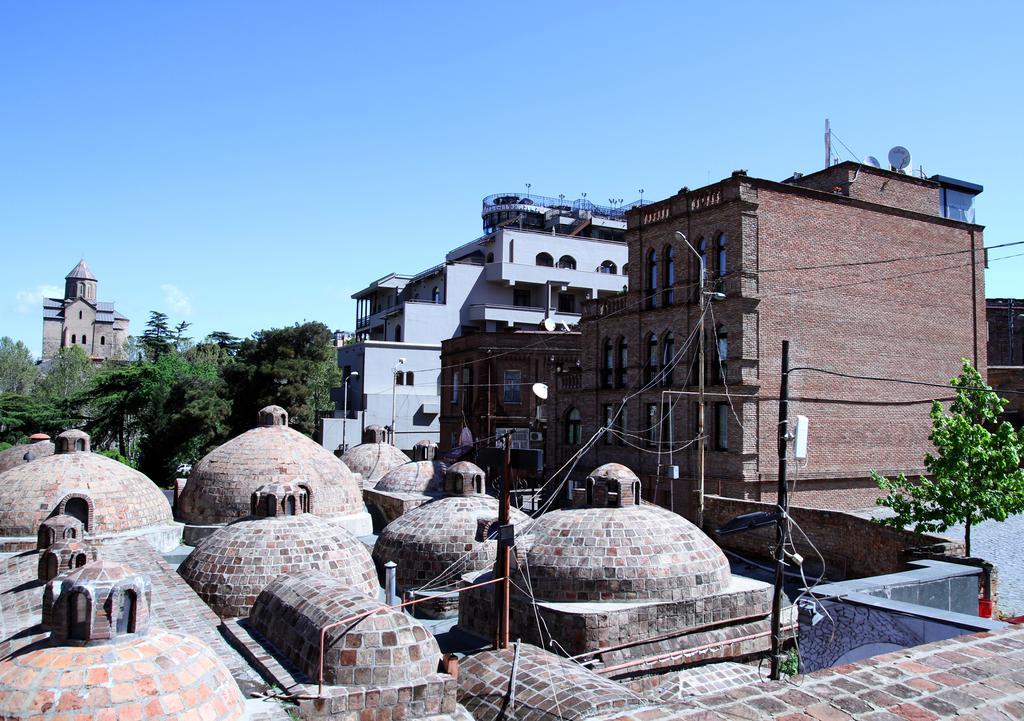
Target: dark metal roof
x,y
961,185
80,272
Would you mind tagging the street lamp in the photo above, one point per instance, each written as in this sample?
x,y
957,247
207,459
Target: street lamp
x,y
394,383
344,418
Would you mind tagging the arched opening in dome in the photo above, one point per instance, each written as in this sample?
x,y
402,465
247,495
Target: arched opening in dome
x,y
78,507
51,567
45,537
307,498
126,612
79,610
80,560
70,533
289,505
79,444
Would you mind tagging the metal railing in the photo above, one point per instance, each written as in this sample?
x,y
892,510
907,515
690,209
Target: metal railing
x,y
526,201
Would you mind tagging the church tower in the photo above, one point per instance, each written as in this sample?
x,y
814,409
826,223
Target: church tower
x,y
80,283
79,319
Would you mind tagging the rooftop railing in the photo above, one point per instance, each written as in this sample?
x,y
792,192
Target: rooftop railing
x,y
523,201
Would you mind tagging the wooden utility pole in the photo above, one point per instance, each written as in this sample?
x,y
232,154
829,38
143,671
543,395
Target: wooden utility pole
x,y
701,380
502,567
782,522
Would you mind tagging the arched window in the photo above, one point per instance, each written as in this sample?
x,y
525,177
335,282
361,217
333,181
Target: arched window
x,y
398,333
80,560
668,294
607,267
652,278
290,505
651,362
79,610
668,352
573,427
545,260
608,365
625,268
79,315
435,295
623,363
79,446
722,355
74,338
567,262
103,340
722,264
78,507
84,341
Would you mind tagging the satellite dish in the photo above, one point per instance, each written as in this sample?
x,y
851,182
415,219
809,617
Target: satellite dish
x,y
899,158
541,391
872,161
549,325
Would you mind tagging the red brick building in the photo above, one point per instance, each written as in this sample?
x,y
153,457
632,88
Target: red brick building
x,y
864,271
1006,353
487,381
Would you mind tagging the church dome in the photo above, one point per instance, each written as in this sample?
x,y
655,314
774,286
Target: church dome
x,y
102,660
619,550
229,568
16,455
106,496
425,541
413,477
221,484
374,460
384,649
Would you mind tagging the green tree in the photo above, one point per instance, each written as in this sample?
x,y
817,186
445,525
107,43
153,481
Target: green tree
x,y
70,373
976,473
279,366
21,416
158,337
17,370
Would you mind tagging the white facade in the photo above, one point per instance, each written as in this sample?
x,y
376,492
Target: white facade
x,y
539,259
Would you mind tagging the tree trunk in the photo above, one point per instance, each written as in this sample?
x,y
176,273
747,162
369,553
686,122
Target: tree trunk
x,y
967,538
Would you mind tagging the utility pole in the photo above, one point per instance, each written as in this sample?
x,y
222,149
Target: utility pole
x,y
394,384
502,567
702,445
782,521
828,144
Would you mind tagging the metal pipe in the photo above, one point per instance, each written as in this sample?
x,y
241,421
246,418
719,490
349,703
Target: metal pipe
x,y
364,614
688,651
391,582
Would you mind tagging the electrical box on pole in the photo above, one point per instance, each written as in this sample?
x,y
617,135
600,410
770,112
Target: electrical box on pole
x,y
800,438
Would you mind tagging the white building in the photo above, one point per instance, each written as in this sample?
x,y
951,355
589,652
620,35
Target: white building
x,y
538,260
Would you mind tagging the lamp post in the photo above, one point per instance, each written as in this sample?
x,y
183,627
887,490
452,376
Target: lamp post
x,y
394,384
344,417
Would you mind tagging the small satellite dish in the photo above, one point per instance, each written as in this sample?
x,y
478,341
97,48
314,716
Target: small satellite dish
x,y
549,325
899,158
872,161
541,391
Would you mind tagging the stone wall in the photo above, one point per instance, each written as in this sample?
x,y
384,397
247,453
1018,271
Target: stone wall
x,y
852,546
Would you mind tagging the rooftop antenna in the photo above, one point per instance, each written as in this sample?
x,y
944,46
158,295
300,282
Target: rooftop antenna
x,y
528,186
872,161
641,197
828,143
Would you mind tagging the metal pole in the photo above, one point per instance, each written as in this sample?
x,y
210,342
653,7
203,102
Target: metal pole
x,y
782,524
391,583
699,514
394,383
344,419
503,566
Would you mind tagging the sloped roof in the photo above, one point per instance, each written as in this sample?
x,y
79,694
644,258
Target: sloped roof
x,y
80,272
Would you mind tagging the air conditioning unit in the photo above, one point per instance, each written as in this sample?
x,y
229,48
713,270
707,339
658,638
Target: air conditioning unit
x,y
536,437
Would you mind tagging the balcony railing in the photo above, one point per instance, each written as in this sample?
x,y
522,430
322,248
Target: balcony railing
x,y
598,307
526,201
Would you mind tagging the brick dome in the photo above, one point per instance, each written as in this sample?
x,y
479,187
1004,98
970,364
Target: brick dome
x,y
413,477
161,675
232,566
107,496
387,648
427,540
618,550
374,460
547,686
15,455
221,484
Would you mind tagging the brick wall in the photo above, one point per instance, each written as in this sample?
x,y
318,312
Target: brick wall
x,y
1005,331
1009,381
852,546
910,319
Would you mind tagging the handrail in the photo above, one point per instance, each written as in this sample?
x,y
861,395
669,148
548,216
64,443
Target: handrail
x,y
365,614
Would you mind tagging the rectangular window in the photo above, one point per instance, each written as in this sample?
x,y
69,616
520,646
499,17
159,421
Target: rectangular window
x,y
609,414
521,297
722,426
467,387
513,379
455,388
566,303
520,436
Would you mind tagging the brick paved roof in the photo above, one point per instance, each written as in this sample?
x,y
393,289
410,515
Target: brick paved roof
x,y
374,460
156,675
221,484
119,498
428,539
386,648
230,567
15,455
413,477
635,552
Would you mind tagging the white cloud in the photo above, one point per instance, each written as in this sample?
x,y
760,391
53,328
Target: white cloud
x,y
176,300
29,301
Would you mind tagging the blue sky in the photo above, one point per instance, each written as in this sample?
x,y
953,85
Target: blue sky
x,y
244,165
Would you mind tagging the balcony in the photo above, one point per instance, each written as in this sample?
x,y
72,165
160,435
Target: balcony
x,y
600,307
513,273
518,314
